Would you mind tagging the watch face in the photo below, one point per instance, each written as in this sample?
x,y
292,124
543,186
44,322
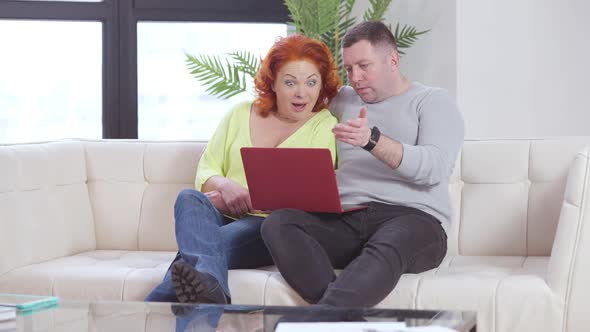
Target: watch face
x,y
375,134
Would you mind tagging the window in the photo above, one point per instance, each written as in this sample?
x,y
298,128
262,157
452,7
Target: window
x,y
81,65
51,82
172,104
66,0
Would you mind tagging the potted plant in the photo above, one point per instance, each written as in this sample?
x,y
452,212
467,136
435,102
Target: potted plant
x,y
326,20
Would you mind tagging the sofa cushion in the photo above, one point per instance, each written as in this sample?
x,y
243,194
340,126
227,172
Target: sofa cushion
x,y
45,212
463,283
116,275
94,275
506,195
133,185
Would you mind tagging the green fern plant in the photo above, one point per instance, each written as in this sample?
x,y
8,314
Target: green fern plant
x,y
326,20
224,79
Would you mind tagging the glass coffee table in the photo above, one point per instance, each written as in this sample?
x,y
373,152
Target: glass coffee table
x,y
141,316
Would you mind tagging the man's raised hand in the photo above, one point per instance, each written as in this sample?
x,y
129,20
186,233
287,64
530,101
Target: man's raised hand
x,y
354,131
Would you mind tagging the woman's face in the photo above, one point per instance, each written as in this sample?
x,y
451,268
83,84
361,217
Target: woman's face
x,y
297,87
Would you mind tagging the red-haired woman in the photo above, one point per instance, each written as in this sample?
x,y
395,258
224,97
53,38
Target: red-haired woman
x,y
216,227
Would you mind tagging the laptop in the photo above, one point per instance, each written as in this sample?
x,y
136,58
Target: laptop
x,y
298,178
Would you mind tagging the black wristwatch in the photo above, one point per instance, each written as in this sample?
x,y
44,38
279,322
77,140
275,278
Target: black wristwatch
x,y
375,134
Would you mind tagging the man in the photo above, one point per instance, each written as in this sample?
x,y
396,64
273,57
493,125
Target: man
x,y
397,145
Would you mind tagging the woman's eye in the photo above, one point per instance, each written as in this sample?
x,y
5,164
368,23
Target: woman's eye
x,y
289,83
311,83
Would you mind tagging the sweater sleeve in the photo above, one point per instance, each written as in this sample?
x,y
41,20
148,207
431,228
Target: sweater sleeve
x,y
213,159
440,136
335,107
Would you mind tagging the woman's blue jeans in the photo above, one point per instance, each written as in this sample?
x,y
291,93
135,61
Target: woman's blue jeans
x,y
212,243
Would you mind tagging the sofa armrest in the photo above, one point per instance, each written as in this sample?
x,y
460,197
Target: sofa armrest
x,y
569,265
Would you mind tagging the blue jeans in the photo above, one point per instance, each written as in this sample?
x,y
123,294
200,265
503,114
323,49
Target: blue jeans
x,y
212,243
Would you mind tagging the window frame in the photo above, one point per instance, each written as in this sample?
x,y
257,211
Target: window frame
x,y
119,20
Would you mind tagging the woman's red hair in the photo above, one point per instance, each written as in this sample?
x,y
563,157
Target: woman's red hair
x,y
295,48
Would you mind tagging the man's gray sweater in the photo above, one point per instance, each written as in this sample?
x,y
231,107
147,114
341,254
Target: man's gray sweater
x,y
426,121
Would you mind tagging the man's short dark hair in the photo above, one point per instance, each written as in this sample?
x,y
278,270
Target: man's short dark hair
x,y
375,32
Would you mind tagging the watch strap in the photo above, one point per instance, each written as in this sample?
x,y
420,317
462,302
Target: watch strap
x,y
375,134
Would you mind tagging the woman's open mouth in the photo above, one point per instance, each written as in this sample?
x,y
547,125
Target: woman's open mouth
x,y
298,107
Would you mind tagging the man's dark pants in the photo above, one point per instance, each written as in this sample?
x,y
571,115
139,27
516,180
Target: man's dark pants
x,y
374,247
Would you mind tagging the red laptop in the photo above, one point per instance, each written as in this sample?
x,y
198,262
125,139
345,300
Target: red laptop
x,y
299,178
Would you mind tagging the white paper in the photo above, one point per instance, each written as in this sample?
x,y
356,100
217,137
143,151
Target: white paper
x,y
357,327
342,327
430,329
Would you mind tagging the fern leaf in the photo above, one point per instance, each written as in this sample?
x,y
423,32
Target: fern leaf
x,y
295,13
406,37
219,79
347,5
313,17
333,37
328,14
247,61
376,11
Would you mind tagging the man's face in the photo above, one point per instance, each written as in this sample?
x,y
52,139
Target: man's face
x,y
369,70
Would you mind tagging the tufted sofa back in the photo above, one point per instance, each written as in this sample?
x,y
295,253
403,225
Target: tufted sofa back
x,y
507,194
45,207
66,197
132,187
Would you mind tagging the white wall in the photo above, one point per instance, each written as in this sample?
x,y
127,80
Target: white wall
x,y
432,59
517,68
522,67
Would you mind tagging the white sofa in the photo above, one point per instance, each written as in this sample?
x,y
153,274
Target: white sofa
x,y
93,220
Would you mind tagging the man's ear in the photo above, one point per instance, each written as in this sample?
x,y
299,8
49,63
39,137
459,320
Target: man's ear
x,y
394,58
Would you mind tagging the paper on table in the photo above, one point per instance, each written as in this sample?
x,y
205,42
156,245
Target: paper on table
x,y
432,328
342,327
357,327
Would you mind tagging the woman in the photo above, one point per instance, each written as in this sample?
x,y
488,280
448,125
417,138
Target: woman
x,y
216,227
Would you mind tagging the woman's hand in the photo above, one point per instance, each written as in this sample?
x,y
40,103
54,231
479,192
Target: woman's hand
x,y
214,197
235,197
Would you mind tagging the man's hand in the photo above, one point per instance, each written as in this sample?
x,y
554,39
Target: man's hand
x,y
354,132
235,197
